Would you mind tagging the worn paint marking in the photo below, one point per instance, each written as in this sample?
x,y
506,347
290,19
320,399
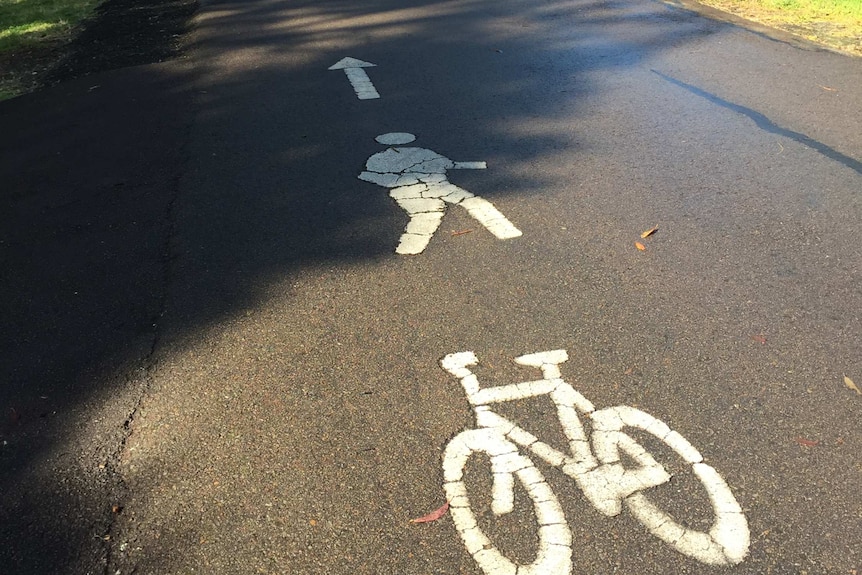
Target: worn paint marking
x,y
416,178
357,77
597,470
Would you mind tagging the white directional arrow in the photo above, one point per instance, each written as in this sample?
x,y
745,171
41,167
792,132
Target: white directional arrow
x,y
358,78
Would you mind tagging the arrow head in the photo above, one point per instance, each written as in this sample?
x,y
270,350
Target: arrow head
x,y
351,63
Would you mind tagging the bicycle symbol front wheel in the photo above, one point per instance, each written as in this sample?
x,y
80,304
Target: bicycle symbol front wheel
x,y
554,555
727,540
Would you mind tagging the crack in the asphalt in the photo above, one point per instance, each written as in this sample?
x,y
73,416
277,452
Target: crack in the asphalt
x,y
768,125
145,370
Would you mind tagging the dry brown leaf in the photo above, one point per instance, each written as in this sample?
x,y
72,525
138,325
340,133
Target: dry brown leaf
x,y
807,442
433,516
649,232
640,246
849,383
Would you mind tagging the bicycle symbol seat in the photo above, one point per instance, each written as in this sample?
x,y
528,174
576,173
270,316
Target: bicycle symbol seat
x,y
597,470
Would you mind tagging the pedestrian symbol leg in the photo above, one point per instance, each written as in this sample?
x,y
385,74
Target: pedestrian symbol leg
x,y
490,217
425,215
417,180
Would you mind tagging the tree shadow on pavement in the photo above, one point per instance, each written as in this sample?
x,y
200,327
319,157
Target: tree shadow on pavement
x,y
141,206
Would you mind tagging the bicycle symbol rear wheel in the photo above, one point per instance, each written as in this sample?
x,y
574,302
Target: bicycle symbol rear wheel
x,y
554,555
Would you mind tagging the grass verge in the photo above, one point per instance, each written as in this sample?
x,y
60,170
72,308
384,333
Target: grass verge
x,y
31,31
25,23
833,23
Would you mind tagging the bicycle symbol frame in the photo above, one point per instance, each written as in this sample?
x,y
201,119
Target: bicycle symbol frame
x,y
598,472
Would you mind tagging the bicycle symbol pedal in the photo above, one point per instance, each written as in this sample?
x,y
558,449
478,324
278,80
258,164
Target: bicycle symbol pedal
x,y
593,463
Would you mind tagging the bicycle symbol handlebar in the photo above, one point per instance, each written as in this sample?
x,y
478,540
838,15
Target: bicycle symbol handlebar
x,y
597,469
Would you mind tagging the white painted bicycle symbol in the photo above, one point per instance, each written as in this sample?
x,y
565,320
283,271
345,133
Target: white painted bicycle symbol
x,y
598,472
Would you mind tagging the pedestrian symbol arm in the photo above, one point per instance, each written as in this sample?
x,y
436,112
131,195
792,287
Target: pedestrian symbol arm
x,y
470,165
385,180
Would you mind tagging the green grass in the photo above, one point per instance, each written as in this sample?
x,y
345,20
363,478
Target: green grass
x,y
837,11
846,12
803,10
25,23
836,23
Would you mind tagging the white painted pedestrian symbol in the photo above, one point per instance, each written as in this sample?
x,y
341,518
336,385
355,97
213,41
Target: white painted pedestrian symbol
x,y
417,181
599,472
360,81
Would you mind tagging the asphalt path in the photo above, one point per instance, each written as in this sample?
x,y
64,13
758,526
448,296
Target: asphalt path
x,y
277,404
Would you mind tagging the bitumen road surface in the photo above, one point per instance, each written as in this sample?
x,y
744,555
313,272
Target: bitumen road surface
x,y
220,355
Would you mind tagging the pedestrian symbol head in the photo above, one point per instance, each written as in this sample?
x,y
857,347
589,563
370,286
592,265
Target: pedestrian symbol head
x,y
395,138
